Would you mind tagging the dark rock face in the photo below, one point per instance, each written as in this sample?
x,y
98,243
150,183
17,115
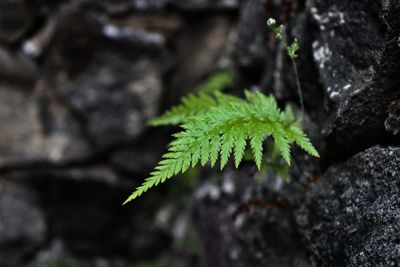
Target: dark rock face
x,y
250,49
357,55
22,224
198,5
351,215
76,213
123,6
16,16
242,223
115,105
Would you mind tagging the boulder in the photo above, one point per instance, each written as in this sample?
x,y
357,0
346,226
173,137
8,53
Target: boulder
x,y
109,77
23,227
357,56
351,216
242,222
16,18
113,7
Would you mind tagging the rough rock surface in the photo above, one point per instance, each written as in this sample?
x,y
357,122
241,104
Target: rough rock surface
x,y
16,17
123,6
114,106
250,50
243,223
351,216
357,55
22,224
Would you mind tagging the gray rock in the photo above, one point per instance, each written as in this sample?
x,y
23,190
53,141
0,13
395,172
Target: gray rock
x,y
109,77
122,6
198,5
36,127
243,223
198,49
16,17
22,224
251,50
357,58
56,256
351,216
89,220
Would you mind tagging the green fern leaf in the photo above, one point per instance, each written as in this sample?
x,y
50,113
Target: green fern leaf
x,y
224,130
239,145
227,141
217,82
256,143
298,136
210,95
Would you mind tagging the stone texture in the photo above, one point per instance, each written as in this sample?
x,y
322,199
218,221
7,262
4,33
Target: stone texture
x,y
81,209
22,224
198,49
16,17
123,6
198,5
242,222
351,215
250,50
357,55
111,82
31,132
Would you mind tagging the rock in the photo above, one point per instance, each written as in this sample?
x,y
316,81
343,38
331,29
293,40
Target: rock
x,y
89,220
109,77
15,68
351,216
251,50
140,158
243,223
205,5
16,17
169,25
357,56
56,255
122,6
22,224
36,127
198,49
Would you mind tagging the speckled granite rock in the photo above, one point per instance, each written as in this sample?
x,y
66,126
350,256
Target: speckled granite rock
x,y
351,216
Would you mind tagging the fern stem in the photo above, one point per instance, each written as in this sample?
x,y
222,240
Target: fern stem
x,y
299,91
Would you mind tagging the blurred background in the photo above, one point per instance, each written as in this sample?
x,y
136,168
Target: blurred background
x,y
79,79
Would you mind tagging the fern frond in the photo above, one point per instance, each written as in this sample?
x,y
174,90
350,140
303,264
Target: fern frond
x,y
298,136
210,95
217,82
225,129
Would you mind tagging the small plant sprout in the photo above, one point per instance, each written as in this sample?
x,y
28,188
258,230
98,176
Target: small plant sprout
x,y
292,51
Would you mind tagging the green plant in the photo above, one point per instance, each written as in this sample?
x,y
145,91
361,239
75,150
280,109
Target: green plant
x,y
216,126
210,95
292,51
226,129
